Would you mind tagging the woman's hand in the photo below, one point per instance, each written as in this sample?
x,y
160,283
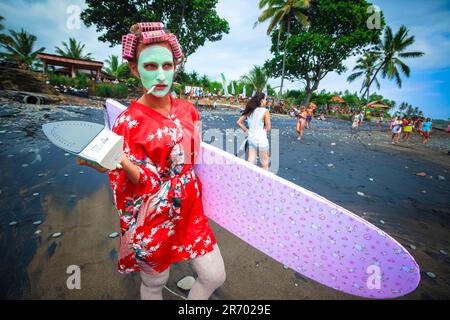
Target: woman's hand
x,y
82,162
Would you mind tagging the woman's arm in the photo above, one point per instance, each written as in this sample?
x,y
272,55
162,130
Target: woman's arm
x,y
267,121
240,123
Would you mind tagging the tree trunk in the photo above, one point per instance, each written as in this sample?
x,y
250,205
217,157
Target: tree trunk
x,y
284,57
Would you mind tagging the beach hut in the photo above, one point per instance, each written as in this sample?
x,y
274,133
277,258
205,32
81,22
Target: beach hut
x,y
72,65
375,107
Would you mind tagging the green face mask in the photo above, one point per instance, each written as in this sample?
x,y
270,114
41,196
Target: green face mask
x,y
160,57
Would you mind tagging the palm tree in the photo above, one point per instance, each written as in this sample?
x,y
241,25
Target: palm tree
x,y
20,48
366,66
282,13
257,78
73,50
118,71
3,37
389,51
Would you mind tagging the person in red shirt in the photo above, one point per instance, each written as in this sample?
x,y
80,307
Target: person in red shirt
x,y
155,188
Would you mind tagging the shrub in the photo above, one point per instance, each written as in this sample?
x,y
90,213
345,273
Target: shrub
x,y
109,90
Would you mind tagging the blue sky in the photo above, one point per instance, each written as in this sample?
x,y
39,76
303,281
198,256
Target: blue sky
x,y
245,46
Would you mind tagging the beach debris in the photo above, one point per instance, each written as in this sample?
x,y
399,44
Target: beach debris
x,y
424,191
37,222
66,154
3,131
257,265
330,165
371,179
56,234
365,213
186,283
412,246
37,232
66,175
36,194
25,165
81,172
333,144
114,235
442,178
443,252
332,152
431,275
13,223
296,284
382,222
421,174
41,174
359,193
285,267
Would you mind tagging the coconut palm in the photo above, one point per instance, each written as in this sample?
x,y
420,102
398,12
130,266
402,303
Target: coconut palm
x,y
257,78
20,48
366,67
282,13
3,37
118,71
73,50
389,51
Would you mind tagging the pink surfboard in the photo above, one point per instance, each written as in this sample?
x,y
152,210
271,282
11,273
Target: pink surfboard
x,y
300,229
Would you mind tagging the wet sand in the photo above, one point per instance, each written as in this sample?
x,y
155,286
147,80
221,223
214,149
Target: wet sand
x,y
40,182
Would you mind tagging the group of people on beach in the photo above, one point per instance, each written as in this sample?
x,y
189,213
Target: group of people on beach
x,y
304,116
408,125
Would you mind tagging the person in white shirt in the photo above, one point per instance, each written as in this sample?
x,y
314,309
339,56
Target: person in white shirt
x,y
258,118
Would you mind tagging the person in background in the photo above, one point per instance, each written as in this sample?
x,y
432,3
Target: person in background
x,y
427,128
407,128
269,105
397,130
381,120
258,120
301,120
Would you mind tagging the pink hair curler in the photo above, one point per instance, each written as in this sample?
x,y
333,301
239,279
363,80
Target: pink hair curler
x,y
153,36
150,26
176,48
129,42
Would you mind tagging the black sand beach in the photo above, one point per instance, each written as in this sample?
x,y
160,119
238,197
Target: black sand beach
x,y
41,182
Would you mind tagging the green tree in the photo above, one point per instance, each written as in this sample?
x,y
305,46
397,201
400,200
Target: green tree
x,y
117,70
193,21
282,13
3,37
20,48
73,50
338,29
257,78
365,67
389,51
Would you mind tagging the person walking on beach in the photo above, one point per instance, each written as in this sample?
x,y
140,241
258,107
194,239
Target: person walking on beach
x,y
258,119
155,187
396,130
407,128
427,128
380,121
309,115
301,119
356,120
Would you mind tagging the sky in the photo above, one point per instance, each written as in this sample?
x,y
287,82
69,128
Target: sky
x,y
245,46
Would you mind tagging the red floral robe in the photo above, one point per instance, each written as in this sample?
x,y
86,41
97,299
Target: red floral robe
x,y
161,217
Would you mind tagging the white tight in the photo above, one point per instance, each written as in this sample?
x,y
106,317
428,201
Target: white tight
x,y
211,275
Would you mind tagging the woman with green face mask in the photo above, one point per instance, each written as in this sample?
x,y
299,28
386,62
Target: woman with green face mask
x,y
155,188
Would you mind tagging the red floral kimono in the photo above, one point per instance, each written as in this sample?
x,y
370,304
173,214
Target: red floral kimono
x,y
161,217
